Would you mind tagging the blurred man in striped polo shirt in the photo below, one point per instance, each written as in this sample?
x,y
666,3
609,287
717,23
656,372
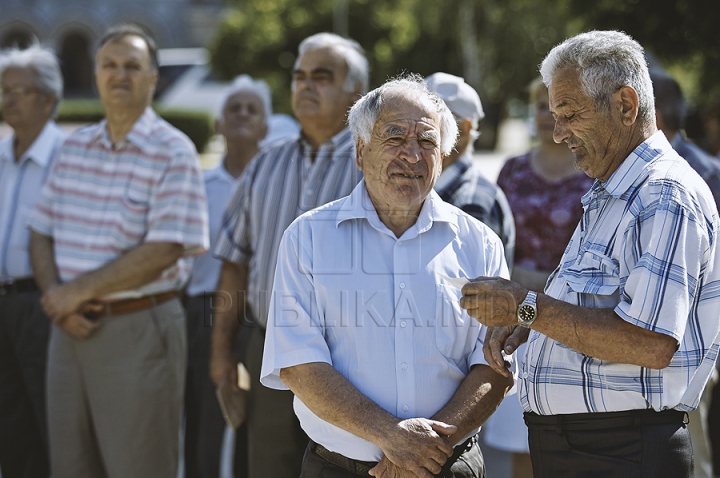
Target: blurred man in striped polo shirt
x,y
123,208
283,181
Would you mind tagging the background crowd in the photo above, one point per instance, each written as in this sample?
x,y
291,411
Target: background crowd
x,y
118,219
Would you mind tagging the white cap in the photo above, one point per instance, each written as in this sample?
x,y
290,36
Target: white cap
x,y
461,98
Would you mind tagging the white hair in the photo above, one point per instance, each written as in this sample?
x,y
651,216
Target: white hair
x,y
48,77
358,69
605,61
259,88
364,113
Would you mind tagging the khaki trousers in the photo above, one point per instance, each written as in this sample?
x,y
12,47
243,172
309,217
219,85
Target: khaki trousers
x,y
115,398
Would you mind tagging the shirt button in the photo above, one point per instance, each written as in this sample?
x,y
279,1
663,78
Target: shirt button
x,y
402,285
403,324
404,366
406,408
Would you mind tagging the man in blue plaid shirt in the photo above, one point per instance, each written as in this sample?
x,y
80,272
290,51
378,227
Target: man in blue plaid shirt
x,y
626,336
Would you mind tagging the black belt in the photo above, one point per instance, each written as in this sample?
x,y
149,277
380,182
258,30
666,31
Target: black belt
x,y
604,420
18,286
362,467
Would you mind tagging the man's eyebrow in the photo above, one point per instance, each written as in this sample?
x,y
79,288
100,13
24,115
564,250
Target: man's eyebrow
x,y
433,135
321,69
394,130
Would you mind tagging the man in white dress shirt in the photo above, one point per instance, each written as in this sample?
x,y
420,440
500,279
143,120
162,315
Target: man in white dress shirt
x,y
31,92
365,326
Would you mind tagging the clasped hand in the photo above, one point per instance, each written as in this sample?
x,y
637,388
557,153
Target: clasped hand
x,y
417,447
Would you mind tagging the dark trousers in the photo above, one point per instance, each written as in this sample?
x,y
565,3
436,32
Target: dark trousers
x,y
24,332
467,462
564,446
204,423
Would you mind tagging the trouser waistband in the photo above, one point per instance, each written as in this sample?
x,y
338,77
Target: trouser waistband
x,y
362,467
604,420
18,285
128,306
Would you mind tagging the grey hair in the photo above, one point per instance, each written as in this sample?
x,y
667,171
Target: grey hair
x,y
48,77
358,69
257,87
605,61
364,113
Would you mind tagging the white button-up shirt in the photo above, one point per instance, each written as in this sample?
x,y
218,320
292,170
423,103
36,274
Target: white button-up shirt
x,y
378,308
20,183
647,247
219,185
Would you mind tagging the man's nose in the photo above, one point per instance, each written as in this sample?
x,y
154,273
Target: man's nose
x,y
411,151
561,131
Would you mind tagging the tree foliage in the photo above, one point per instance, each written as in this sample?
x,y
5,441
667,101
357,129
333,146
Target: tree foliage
x,y
681,34
495,44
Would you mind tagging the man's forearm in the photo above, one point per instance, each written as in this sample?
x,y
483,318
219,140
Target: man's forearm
x,y
232,285
602,334
477,397
134,269
345,407
42,260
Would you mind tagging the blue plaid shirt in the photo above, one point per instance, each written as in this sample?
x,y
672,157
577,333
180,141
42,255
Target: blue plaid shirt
x,y
646,247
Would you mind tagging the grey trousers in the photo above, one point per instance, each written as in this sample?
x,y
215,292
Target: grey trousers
x,y
115,399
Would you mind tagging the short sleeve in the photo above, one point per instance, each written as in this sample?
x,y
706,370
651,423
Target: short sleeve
x,y
234,240
41,219
673,244
178,206
295,332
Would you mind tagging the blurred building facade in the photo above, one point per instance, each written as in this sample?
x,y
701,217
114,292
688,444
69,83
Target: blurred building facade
x,y
73,27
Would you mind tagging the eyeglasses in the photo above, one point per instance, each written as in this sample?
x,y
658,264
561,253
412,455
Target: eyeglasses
x,y
18,92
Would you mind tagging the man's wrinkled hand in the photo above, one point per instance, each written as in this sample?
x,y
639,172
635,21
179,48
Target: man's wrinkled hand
x,y
387,469
78,326
493,301
60,301
223,367
418,445
503,339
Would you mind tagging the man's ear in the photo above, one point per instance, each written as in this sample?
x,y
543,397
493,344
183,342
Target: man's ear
x,y
359,150
626,99
464,127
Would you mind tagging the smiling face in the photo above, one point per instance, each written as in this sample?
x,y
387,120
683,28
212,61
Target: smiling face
x,y
243,118
598,139
24,106
123,73
402,161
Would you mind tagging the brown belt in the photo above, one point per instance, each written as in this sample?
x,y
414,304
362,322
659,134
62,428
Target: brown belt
x,y
128,306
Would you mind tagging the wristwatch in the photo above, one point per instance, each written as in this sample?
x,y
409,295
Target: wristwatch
x,y
527,310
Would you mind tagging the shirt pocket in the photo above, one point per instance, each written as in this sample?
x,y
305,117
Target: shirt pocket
x,y
456,333
595,279
132,220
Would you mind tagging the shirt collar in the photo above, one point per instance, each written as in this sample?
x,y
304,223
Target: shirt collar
x,y
42,149
138,134
340,144
452,172
359,206
632,168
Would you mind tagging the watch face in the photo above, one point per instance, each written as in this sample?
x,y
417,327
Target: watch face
x,y
526,313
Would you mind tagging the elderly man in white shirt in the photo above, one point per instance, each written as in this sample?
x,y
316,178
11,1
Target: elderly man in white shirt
x,y
365,325
32,87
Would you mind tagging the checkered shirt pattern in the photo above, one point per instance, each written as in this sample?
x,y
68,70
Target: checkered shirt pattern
x,y
646,247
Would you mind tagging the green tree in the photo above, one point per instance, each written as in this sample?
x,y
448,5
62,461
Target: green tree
x,y
495,45
681,34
